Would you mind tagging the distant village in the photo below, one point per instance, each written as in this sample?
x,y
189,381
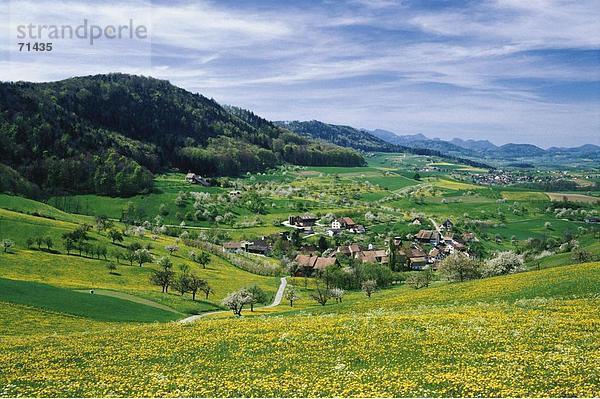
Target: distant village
x,y
426,249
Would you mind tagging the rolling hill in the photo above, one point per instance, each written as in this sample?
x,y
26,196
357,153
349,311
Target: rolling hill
x,y
108,134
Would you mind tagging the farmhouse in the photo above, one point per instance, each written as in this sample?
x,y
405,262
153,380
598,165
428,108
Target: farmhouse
x,y
447,225
261,247
429,236
308,264
342,223
193,178
302,221
373,256
233,247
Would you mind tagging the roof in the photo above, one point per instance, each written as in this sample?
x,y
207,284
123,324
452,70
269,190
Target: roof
x,y
190,175
427,235
434,252
232,245
315,262
354,248
346,220
416,252
322,263
306,260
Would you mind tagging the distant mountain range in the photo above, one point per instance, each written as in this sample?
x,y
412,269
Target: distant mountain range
x,y
360,139
484,148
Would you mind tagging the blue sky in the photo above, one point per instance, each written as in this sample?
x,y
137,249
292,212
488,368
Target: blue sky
x,y
502,70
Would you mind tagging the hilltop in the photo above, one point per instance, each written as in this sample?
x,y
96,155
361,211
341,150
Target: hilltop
x,y
74,135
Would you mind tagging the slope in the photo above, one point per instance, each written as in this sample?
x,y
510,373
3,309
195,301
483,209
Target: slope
x,y
524,339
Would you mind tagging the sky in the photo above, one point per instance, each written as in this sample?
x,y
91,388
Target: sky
x,y
501,70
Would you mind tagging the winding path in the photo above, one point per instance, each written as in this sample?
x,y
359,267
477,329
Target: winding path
x,y
276,301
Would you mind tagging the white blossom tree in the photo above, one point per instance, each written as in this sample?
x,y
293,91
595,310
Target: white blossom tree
x,y
506,262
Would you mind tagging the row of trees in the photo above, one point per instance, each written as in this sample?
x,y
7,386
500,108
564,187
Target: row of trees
x,y
182,282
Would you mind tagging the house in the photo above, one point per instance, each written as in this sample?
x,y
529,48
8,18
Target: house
x,y
435,255
261,247
447,225
592,219
342,223
418,263
430,236
333,232
302,221
448,238
375,256
233,247
350,251
416,222
193,178
308,264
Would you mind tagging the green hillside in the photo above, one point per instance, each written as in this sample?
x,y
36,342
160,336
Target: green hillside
x,y
500,347
107,134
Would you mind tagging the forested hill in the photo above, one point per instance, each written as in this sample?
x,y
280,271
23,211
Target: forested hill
x,y
107,134
345,136
364,140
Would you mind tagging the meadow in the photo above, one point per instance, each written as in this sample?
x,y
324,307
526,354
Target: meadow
x,y
500,347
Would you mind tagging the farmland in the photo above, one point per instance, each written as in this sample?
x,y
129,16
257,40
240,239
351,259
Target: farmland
x,y
532,331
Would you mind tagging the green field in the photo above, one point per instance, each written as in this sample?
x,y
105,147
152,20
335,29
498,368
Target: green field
x,y
95,307
533,333
477,339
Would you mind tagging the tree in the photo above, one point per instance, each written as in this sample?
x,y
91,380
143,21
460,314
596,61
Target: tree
x,y
503,263
165,263
207,289
322,243
39,241
172,249
337,294
29,242
420,279
69,245
291,295
203,258
49,243
258,296
320,294
162,278
181,283
6,244
369,287
111,267
195,284
130,256
580,255
459,267
115,236
143,256
236,300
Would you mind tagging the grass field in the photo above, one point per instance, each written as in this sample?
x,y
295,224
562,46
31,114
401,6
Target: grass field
x,y
494,337
573,198
95,307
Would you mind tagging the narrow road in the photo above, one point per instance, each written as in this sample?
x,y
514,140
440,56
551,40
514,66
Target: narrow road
x,y
279,294
276,301
437,228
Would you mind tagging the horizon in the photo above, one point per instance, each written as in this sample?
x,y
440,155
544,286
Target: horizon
x,y
495,70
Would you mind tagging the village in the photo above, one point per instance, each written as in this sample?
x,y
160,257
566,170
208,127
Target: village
x,y
413,252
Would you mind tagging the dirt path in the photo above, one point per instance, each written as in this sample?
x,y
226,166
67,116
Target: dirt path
x,y
276,301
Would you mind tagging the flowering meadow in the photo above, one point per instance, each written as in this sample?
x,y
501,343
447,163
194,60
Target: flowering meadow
x,y
528,342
